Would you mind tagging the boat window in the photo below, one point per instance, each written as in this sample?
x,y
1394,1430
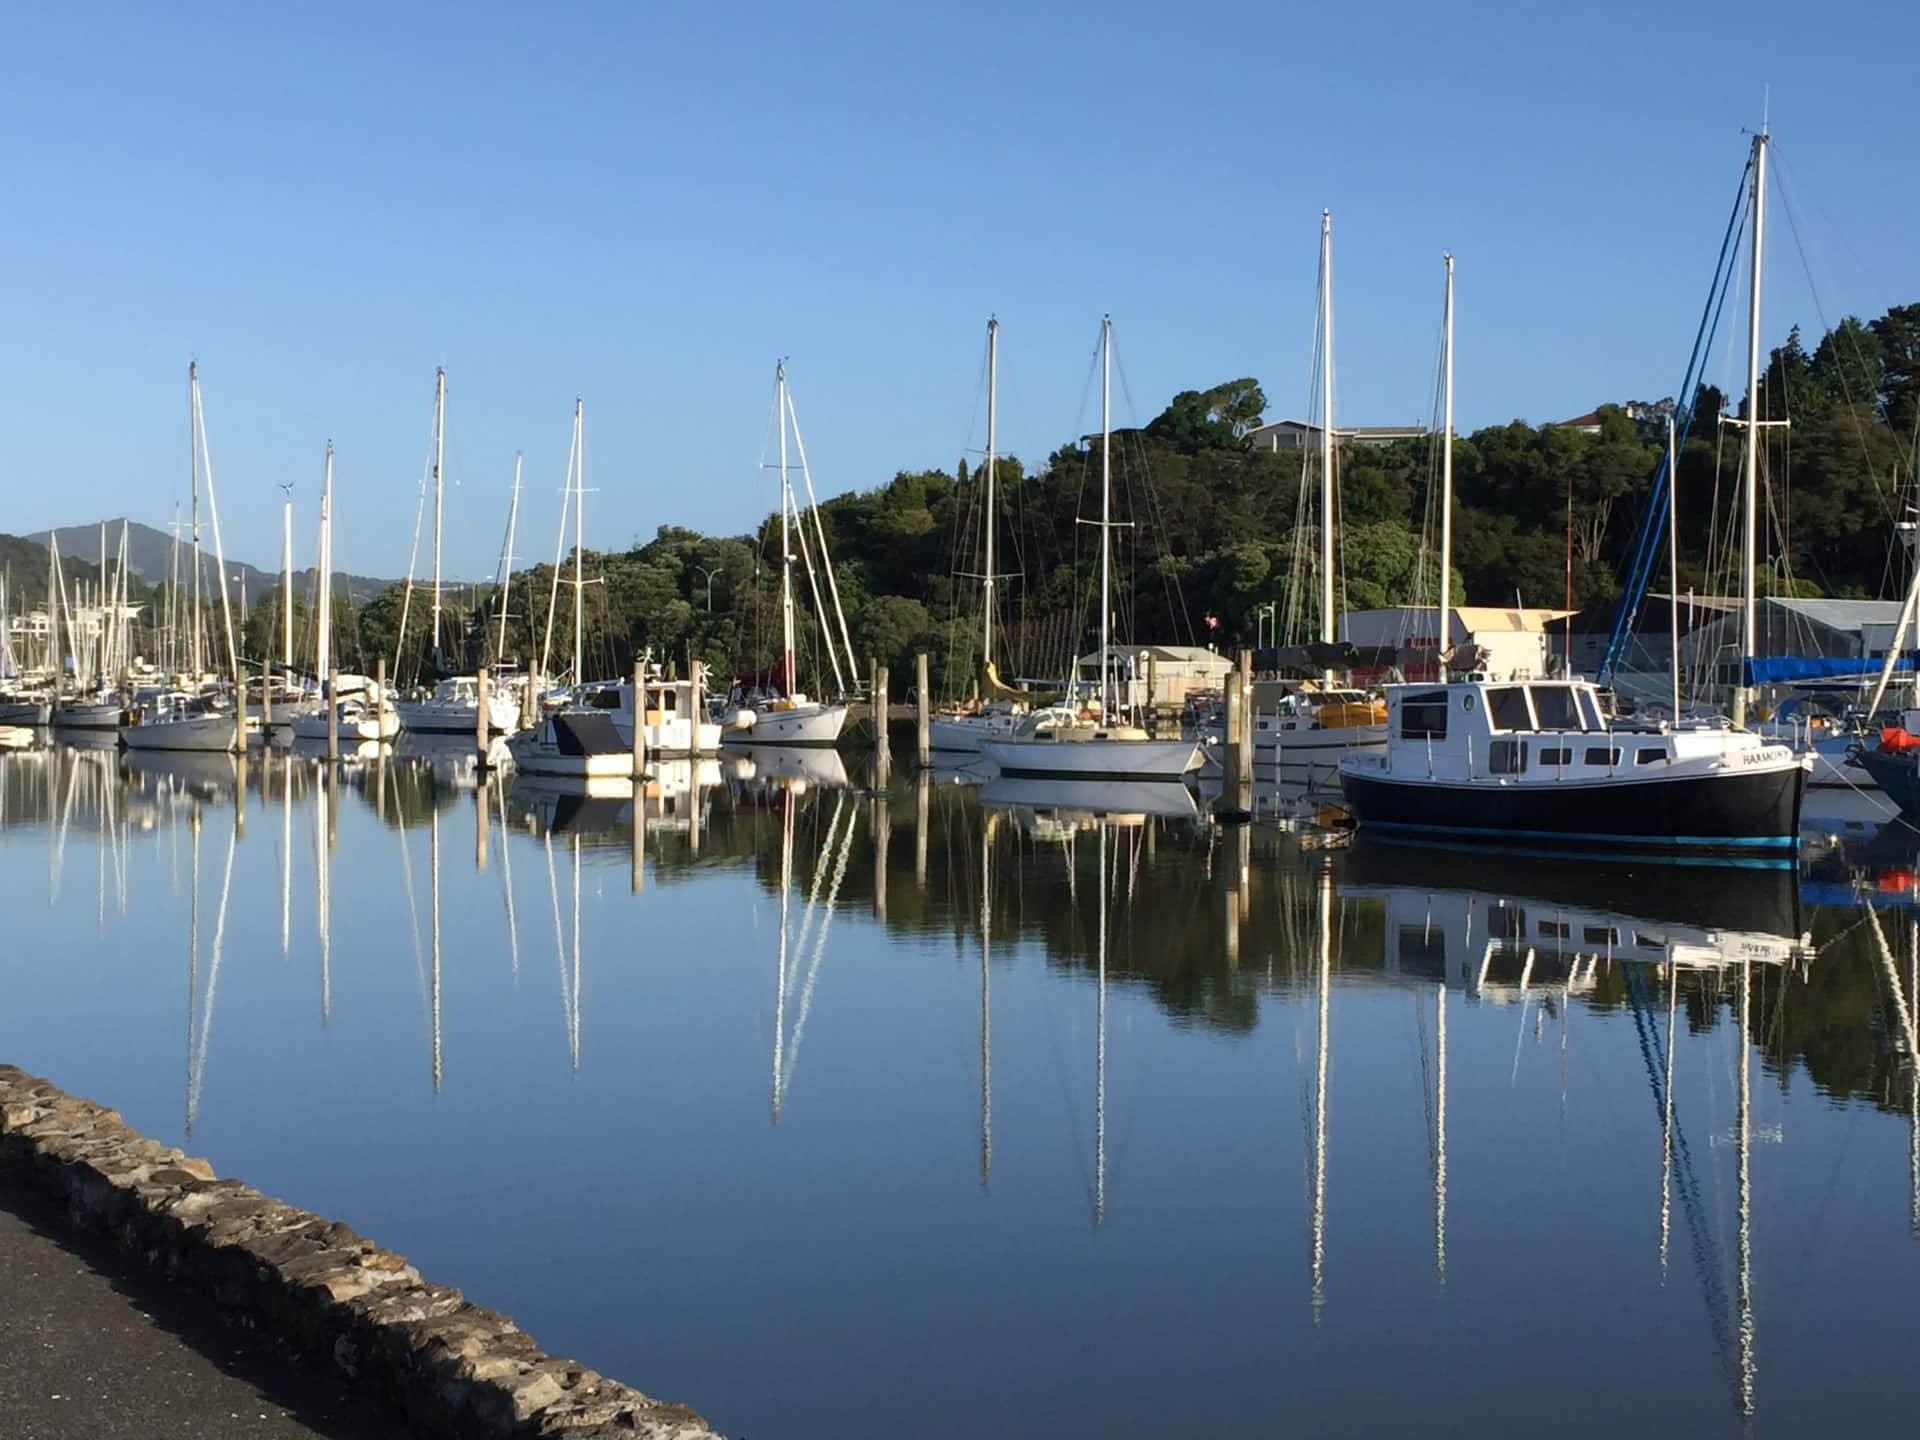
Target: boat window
x,y
1507,707
1424,716
1556,757
1600,755
1423,950
1506,922
670,702
604,700
1554,705
1555,929
1649,754
1590,709
1507,757
1600,935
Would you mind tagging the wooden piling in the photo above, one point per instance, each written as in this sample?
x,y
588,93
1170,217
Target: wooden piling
x,y
266,701
333,713
1233,807
637,876
639,727
922,711
697,674
240,717
882,750
483,717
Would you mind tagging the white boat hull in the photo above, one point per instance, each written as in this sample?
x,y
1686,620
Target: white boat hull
x,y
25,712
456,717
204,733
962,734
800,725
312,725
1117,759
90,716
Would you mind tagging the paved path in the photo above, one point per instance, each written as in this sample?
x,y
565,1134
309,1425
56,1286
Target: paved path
x,y
90,1348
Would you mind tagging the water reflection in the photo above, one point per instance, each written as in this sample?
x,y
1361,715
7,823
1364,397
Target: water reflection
x,y
1082,1055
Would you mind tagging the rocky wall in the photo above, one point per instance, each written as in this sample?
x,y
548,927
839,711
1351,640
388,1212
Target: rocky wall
x,y
333,1299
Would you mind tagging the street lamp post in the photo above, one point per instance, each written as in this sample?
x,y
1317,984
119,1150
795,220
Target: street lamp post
x,y
709,574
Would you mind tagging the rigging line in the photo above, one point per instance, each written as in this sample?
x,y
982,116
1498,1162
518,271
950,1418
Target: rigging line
x,y
1830,332
1653,520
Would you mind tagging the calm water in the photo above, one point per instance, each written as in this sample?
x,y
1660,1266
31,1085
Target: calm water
x,y
953,1111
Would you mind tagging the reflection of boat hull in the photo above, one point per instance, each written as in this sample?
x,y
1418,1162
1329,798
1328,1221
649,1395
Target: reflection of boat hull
x,y
1731,896
810,765
795,725
1734,812
1096,799
25,712
208,774
1118,759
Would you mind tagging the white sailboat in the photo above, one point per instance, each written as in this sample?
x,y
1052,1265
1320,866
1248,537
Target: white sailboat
x,y
790,717
452,707
1000,710
194,719
363,713
1103,748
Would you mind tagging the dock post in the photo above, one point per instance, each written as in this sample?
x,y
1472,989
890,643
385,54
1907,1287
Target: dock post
x,y
530,711
876,702
333,713
1153,697
380,686
698,700
266,701
240,717
923,711
1231,808
882,751
1245,679
483,717
639,724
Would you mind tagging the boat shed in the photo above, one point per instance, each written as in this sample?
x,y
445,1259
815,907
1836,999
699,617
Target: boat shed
x,y
1509,644
1156,674
1810,629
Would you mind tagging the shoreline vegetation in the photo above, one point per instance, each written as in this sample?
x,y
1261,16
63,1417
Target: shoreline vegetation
x,y
1217,536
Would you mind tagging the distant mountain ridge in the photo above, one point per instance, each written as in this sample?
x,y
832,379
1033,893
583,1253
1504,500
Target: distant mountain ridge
x,y
150,556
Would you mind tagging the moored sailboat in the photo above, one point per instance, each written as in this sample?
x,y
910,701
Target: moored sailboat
x,y
1102,746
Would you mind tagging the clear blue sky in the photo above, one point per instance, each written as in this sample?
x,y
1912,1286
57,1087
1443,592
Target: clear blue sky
x,y
646,204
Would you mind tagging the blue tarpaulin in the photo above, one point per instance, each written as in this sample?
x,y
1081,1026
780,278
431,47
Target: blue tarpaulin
x,y
1783,669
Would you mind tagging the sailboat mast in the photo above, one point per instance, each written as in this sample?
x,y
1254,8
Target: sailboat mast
x,y
1106,517
1750,481
323,661
439,455
286,581
786,547
579,558
1446,482
102,656
193,461
1673,569
219,553
1326,435
987,510
506,560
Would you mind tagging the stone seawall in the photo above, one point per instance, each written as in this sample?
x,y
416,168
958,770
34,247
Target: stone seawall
x,y
333,1299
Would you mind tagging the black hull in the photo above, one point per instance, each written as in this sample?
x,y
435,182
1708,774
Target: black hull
x,y
1897,774
1749,816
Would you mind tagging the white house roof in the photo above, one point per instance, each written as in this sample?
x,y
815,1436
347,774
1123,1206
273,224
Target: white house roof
x,y
1197,655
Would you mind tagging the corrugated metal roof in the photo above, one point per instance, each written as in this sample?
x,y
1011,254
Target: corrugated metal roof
x,y
1839,614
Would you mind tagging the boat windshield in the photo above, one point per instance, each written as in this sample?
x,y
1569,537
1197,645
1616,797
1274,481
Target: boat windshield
x,y
1554,706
